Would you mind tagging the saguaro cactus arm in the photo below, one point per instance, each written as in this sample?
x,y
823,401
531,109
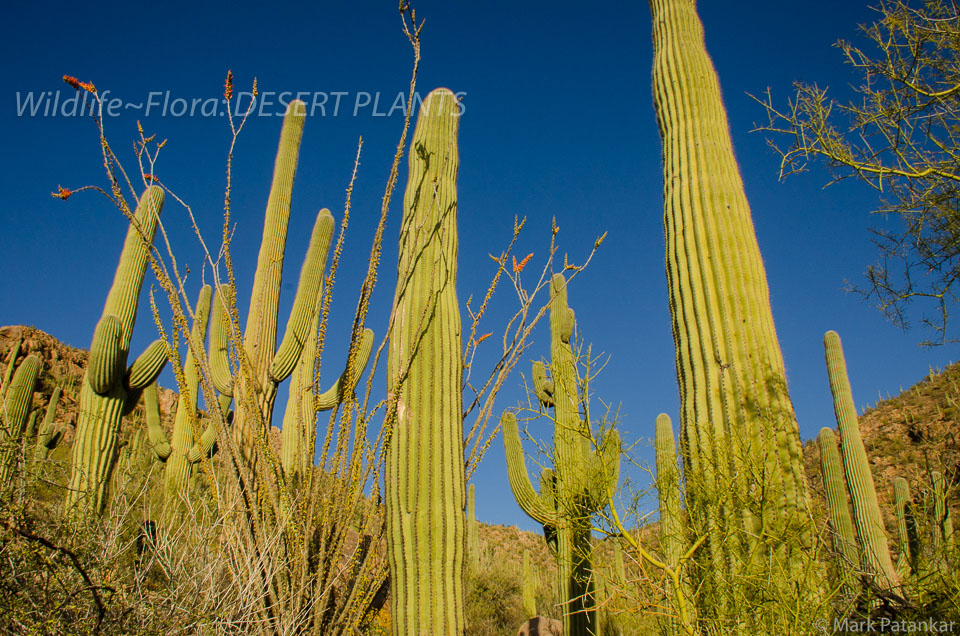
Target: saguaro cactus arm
x,y
536,506
146,368
157,438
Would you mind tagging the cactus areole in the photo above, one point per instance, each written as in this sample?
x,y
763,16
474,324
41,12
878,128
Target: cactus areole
x,y
425,481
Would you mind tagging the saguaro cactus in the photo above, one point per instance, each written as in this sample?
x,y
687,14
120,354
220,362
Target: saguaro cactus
x,y
529,584
473,528
583,477
844,540
872,537
906,527
176,474
737,421
16,400
48,436
425,481
107,391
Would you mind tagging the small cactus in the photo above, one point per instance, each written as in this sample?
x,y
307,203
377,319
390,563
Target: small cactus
x,y
16,401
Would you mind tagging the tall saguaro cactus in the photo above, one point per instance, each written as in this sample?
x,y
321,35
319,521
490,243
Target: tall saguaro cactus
x,y
856,467
262,365
109,389
583,477
425,481
738,426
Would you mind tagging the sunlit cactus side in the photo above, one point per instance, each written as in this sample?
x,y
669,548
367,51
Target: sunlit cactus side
x,y
906,561
872,538
844,539
17,398
473,529
108,389
425,481
583,477
264,365
737,420
176,473
528,585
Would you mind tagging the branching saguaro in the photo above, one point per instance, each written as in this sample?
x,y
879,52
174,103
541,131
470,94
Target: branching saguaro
x,y
425,479
110,389
739,435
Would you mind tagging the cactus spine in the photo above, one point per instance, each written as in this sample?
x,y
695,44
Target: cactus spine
x,y
875,552
844,541
583,478
425,481
737,420
17,398
176,474
106,391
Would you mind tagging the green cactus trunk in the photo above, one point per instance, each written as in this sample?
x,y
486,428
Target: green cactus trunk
x,y
906,561
473,529
531,579
672,529
425,481
844,540
107,392
872,538
16,401
583,478
737,418
176,474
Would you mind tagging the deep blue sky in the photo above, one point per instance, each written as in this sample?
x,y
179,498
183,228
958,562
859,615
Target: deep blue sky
x,y
559,122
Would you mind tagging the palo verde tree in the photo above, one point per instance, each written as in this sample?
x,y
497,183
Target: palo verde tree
x,y
901,135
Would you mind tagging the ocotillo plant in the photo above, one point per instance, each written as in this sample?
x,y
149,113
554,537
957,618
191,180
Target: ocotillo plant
x,y
16,401
304,402
176,473
871,536
109,389
425,480
844,539
739,437
584,472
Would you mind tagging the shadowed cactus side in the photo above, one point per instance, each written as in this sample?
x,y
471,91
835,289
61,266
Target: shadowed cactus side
x,y
872,538
16,401
425,480
107,390
739,437
583,477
